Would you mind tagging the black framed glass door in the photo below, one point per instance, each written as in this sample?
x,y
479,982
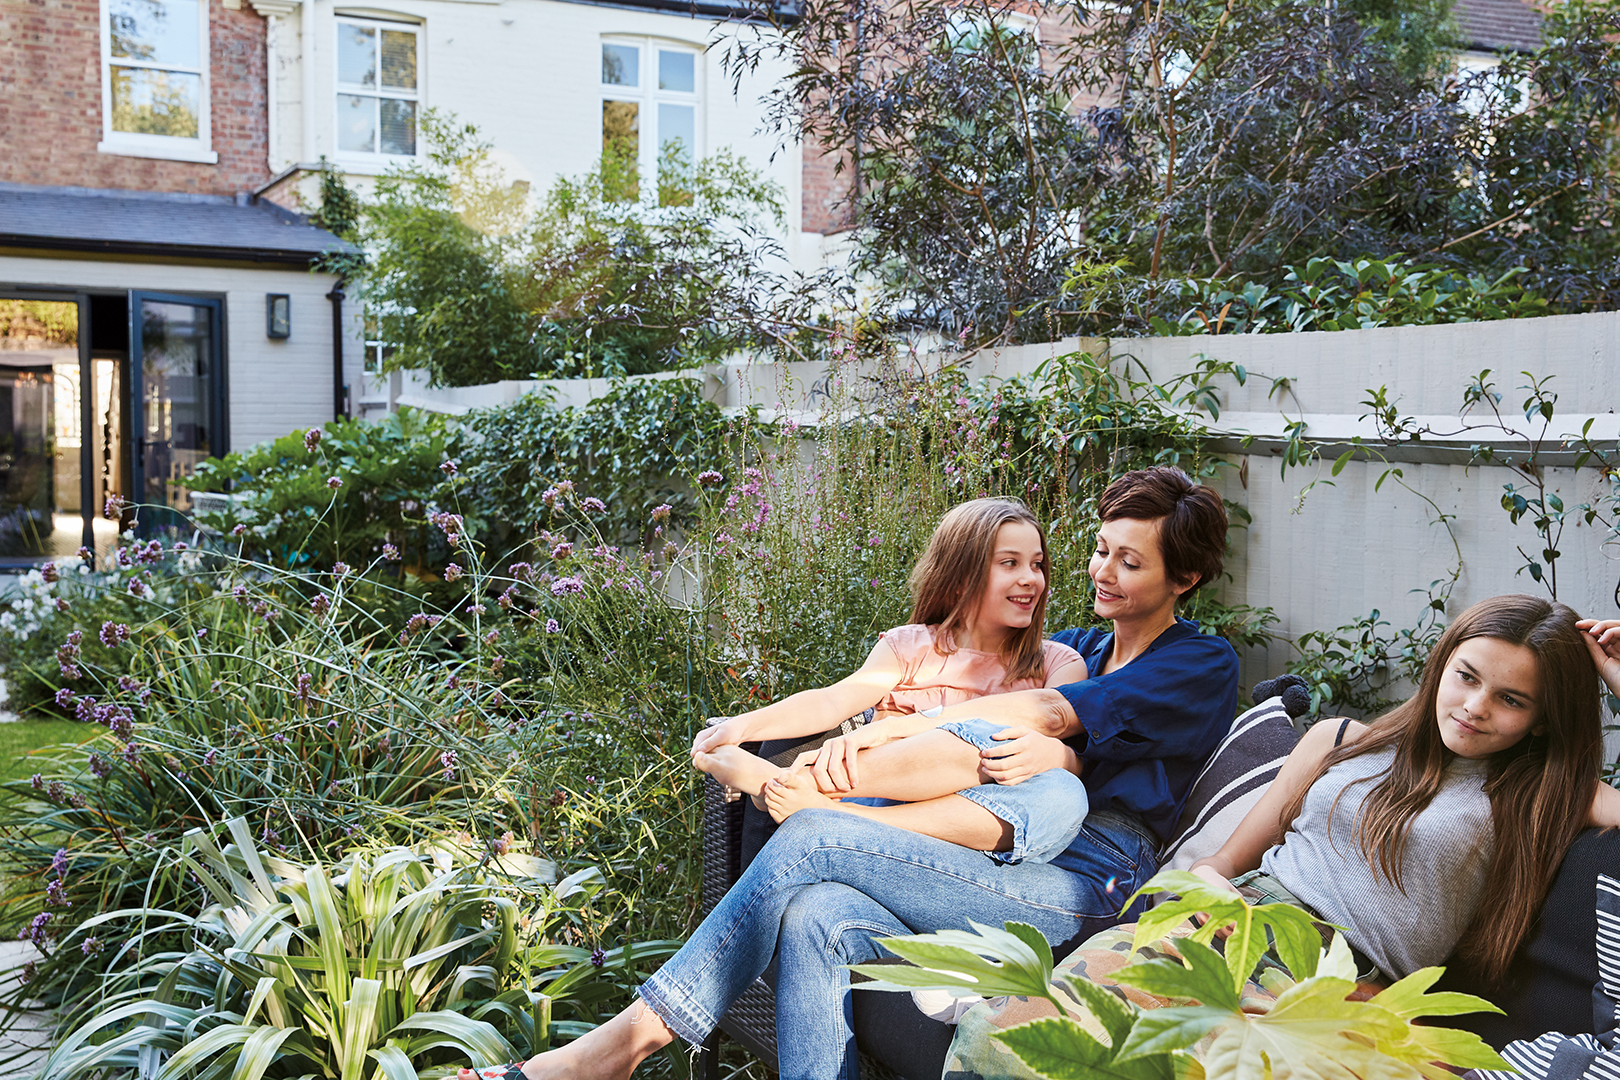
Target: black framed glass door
x,y
176,399
42,352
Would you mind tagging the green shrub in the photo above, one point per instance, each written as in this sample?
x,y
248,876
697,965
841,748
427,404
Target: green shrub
x,y
234,690
387,963
386,473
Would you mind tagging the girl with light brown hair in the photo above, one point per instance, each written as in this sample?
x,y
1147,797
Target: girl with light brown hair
x,y
976,629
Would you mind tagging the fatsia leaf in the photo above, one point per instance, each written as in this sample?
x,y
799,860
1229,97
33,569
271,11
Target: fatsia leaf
x,y
1204,977
1311,1033
1115,1016
1060,1049
1176,1027
1297,940
1463,1049
1035,940
1409,997
957,958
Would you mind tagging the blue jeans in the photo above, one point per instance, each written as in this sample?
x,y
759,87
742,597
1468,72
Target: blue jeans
x,y
1045,811
828,883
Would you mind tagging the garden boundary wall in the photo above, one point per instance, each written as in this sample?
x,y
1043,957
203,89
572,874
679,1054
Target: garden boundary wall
x,y
1325,550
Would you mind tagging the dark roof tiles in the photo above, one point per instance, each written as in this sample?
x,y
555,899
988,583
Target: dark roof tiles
x,y
1494,25
159,223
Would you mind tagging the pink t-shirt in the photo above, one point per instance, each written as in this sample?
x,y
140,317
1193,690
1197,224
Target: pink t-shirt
x,y
933,679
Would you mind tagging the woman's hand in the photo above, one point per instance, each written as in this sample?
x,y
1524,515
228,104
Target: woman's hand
x,y
722,731
835,763
1603,642
1023,753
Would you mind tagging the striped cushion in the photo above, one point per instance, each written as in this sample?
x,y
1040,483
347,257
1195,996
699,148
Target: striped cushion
x,y
1231,783
1556,1056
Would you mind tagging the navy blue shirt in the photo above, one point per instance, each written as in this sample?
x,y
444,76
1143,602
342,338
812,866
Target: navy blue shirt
x,y
1147,728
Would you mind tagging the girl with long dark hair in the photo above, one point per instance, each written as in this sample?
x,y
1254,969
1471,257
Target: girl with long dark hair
x,y
1440,825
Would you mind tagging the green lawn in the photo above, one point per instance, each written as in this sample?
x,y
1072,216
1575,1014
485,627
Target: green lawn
x,y
18,740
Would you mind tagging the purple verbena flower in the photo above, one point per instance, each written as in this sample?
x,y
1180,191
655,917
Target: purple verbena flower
x,y
449,467
59,862
340,568
448,760
390,553
61,604
552,627
334,482
710,477
562,550
64,698
114,634
565,586
113,508
312,439
476,609
48,572
238,530
305,684
594,505
100,767
452,572
91,945
662,511
320,605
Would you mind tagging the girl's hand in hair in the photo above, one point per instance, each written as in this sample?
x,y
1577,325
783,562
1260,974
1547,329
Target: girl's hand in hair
x,y
1602,639
1023,753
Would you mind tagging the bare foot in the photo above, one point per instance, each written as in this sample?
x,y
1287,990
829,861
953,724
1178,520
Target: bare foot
x,y
791,792
609,1052
736,768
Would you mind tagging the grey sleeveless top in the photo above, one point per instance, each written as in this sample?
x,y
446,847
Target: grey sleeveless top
x,y
1447,853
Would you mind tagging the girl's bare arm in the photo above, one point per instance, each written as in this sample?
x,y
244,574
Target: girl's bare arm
x,y
810,712
1262,827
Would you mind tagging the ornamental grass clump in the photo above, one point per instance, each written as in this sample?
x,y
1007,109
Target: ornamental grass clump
x,y
391,963
229,689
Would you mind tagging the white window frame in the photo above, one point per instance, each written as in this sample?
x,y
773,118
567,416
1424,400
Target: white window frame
x,y
168,147
649,97
377,159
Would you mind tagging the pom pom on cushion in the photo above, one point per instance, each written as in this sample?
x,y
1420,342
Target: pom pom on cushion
x,y
1232,781
1294,691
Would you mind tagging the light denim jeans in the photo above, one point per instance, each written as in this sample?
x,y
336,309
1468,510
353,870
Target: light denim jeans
x,y
828,883
1045,811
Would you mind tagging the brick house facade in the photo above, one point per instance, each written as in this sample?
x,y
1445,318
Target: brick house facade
x,y
51,82
186,321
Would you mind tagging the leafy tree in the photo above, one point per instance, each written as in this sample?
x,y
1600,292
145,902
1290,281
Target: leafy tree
x,y
606,277
1008,188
